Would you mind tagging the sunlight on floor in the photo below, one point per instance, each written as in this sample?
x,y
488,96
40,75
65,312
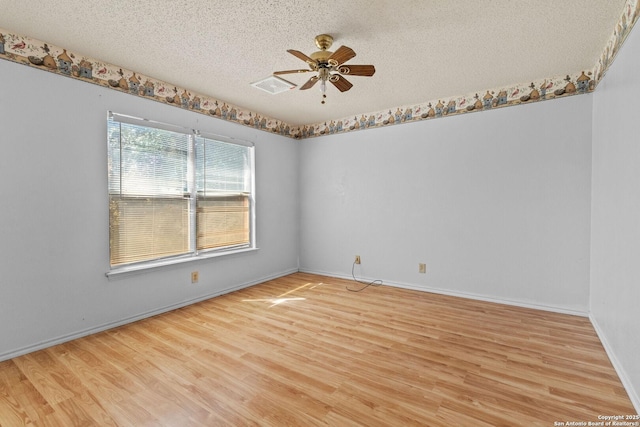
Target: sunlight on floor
x,y
280,298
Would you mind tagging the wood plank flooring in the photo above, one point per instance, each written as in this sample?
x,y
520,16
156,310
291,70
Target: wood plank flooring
x,y
303,351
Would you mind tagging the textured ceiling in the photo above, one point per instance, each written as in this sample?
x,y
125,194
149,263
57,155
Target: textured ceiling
x,y
422,49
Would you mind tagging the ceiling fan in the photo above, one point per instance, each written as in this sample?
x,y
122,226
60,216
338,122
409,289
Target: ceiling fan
x,y
329,66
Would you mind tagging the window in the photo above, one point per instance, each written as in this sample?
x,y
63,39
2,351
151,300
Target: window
x,y
175,194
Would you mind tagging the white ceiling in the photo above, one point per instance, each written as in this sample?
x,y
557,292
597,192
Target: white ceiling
x,y
422,49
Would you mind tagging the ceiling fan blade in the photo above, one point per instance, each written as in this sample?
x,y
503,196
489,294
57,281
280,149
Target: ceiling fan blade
x,y
309,84
357,70
342,55
302,56
290,72
340,82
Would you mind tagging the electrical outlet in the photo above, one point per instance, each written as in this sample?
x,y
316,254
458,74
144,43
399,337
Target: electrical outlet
x,y
422,268
195,276
357,261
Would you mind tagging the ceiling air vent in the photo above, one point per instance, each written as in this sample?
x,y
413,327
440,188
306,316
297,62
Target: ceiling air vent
x,y
273,85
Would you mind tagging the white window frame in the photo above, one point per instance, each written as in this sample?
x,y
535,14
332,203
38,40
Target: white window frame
x,y
194,254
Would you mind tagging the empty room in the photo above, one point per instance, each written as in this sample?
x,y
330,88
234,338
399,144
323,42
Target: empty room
x,y
363,213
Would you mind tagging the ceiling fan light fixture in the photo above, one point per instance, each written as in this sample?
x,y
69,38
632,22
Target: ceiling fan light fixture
x,y
324,76
323,89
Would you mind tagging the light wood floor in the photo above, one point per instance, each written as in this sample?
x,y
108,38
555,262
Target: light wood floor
x,y
302,350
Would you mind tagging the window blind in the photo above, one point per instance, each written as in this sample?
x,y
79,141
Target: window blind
x,y
175,193
148,193
223,190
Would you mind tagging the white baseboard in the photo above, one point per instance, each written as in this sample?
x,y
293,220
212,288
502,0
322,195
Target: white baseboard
x,y
85,332
550,308
624,378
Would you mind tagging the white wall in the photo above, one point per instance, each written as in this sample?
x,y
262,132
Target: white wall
x,y
497,204
54,213
615,248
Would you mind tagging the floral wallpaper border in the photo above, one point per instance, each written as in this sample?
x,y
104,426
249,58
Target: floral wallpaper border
x,y
35,53
630,15
578,83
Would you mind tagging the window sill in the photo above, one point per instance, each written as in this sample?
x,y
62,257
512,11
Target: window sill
x,y
142,268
